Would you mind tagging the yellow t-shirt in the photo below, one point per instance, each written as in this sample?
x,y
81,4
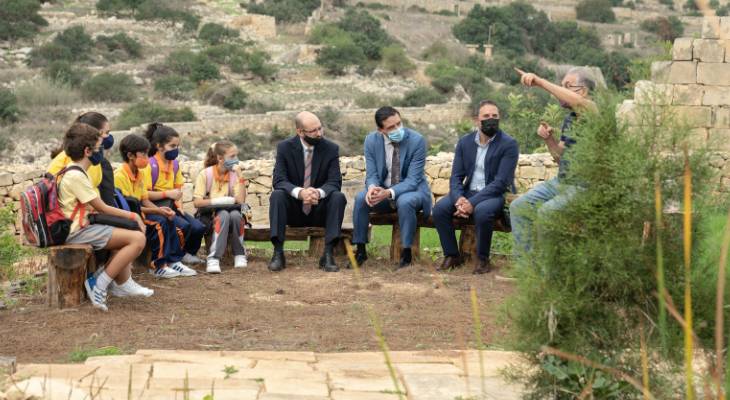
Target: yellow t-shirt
x,y
62,160
165,180
75,187
129,184
219,188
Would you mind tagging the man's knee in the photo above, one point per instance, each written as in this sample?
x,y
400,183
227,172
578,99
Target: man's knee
x,y
338,197
277,196
407,203
442,208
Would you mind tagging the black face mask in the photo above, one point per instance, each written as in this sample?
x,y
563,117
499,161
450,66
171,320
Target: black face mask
x,y
312,141
490,126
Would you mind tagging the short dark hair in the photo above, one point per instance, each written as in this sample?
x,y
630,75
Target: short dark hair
x,y
384,113
478,107
78,138
133,144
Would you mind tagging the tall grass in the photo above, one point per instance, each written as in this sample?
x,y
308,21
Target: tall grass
x,y
44,93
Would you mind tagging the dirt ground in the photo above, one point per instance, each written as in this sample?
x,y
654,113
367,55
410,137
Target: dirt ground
x,y
301,308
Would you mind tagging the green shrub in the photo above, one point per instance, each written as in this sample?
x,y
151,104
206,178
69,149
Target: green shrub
x,y
325,34
215,33
118,7
174,86
339,55
9,111
236,99
111,87
264,106
374,6
119,43
171,13
146,112
369,100
64,73
595,11
421,96
197,67
255,62
439,50
73,45
285,10
366,31
19,19
667,28
396,61
668,3
11,251
204,70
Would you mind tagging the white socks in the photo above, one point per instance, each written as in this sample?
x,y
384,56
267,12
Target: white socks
x,y
103,281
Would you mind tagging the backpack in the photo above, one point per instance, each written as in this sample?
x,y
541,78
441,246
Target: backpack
x,y
42,218
155,170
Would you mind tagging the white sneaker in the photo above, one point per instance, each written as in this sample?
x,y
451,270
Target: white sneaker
x,y
191,259
240,262
213,266
164,273
96,295
130,288
183,269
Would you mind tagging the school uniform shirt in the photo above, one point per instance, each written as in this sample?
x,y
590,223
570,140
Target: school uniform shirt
x,y
62,160
76,188
165,179
219,188
131,185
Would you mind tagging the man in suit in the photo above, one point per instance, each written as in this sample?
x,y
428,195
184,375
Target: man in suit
x,y
483,170
307,183
395,157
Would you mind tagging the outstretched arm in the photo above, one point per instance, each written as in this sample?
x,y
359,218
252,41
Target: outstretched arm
x,y
574,100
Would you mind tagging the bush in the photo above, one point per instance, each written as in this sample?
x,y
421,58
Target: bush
x,y
109,87
421,96
215,33
667,29
366,31
146,112
174,86
236,99
11,251
396,61
19,19
167,12
118,7
285,10
439,50
339,55
9,111
255,63
595,11
64,73
121,44
369,100
197,67
72,45
587,286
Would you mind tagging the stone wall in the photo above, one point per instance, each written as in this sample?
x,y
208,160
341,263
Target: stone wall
x,y
532,169
694,86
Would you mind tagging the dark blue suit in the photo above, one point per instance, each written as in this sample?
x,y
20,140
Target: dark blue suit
x,y
499,172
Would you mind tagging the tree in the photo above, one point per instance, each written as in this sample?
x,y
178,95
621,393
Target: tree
x,y
9,111
19,19
595,11
285,10
77,41
366,31
667,29
215,33
340,54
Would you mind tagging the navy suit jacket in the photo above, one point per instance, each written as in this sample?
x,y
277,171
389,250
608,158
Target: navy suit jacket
x,y
412,164
499,167
289,166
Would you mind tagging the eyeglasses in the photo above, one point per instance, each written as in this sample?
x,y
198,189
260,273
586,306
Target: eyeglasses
x,y
318,129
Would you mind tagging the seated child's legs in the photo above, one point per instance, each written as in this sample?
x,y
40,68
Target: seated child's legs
x,y
221,227
236,233
128,245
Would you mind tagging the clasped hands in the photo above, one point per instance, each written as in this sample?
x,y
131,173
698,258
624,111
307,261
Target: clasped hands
x,y
309,196
375,195
463,208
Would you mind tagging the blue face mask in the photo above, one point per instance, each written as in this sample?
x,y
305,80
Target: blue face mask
x,y
230,163
107,142
96,157
397,135
171,155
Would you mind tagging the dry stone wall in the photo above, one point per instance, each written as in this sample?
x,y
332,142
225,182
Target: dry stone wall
x,y
532,169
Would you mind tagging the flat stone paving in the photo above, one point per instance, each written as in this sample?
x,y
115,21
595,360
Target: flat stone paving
x,y
261,375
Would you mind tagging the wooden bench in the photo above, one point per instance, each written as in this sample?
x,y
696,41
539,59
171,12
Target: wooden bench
x,y
262,233
467,240
68,266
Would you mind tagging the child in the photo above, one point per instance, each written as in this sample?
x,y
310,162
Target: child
x,y
219,185
102,174
77,197
161,232
164,181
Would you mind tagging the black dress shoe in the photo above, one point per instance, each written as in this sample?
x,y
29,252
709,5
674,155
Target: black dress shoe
x,y
482,267
450,262
360,258
405,258
327,262
278,262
